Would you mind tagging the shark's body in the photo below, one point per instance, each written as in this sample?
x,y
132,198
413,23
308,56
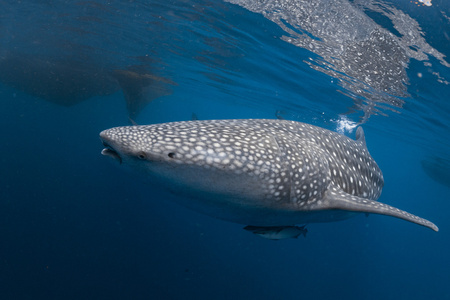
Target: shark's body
x,y
263,173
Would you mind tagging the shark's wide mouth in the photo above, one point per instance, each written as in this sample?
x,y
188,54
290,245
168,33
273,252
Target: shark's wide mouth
x,y
109,151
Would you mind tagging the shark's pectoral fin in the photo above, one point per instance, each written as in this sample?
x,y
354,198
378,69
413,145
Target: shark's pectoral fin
x,y
335,198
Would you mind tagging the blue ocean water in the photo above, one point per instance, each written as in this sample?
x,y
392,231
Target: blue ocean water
x,y
74,225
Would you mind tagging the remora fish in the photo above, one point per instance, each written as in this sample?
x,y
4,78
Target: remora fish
x,y
278,232
262,173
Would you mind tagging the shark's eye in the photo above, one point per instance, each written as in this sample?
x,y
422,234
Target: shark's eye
x,y
141,155
171,155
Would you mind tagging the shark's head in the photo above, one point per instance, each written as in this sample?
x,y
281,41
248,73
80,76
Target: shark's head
x,y
200,158
155,151
137,145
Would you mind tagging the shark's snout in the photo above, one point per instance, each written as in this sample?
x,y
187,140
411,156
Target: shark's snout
x,y
109,150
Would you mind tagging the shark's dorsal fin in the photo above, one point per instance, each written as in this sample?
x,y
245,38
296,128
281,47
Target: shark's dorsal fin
x,y
133,122
360,137
140,87
336,198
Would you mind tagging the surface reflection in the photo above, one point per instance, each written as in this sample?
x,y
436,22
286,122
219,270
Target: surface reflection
x,y
369,60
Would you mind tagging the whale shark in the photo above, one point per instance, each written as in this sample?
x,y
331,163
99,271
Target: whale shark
x,y
69,81
257,172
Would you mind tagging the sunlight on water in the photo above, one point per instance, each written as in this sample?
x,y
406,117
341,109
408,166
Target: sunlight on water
x,y
344,125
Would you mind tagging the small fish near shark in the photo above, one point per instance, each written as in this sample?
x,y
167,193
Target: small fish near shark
x,y
278,232
268,174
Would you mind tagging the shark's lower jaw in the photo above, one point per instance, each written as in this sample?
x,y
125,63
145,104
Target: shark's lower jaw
x,y
109,151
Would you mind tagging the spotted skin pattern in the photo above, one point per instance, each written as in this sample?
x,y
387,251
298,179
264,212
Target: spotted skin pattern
x,y
258,172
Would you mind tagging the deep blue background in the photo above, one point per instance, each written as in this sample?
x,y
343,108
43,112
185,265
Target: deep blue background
x,y
74,225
